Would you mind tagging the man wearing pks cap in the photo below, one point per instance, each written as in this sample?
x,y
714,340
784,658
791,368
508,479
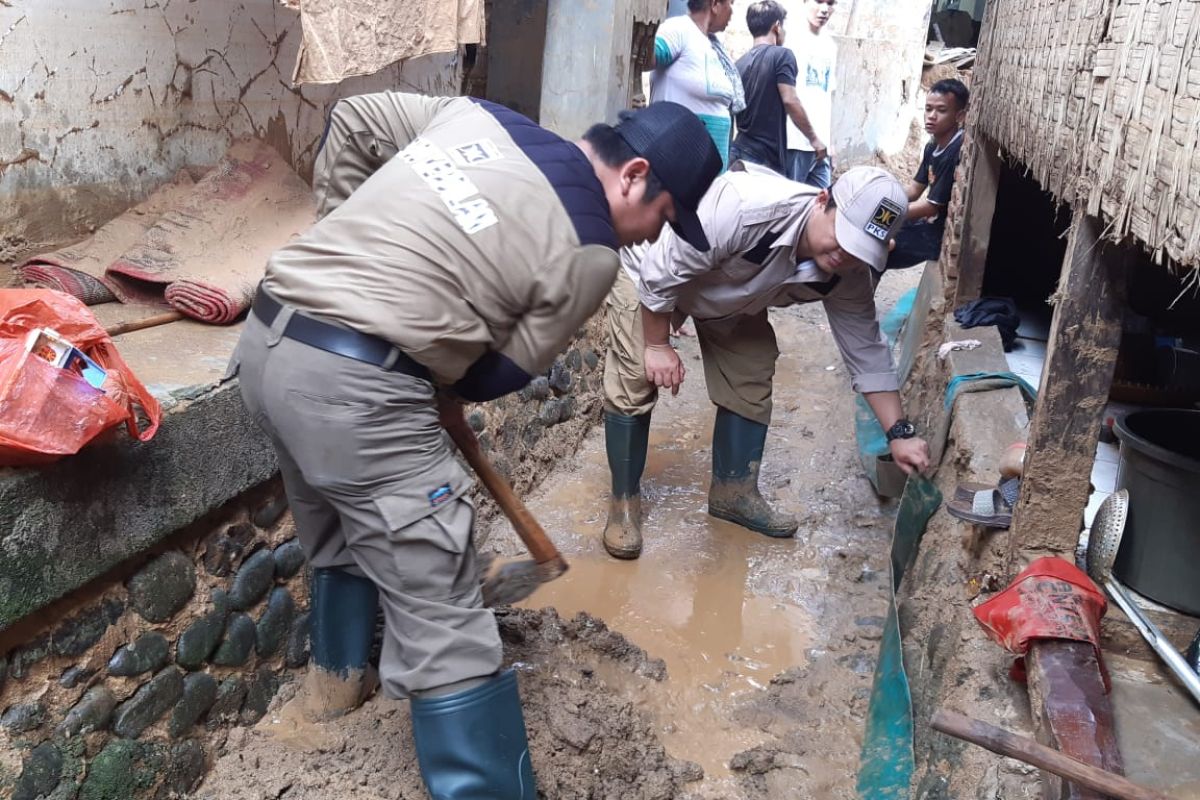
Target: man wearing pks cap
x,y
773,242
458,248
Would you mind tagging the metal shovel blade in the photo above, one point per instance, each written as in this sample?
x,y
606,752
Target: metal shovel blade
x,y
1103,542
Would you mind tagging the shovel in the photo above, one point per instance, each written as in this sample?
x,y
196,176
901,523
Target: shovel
x,y
515,581
1103,542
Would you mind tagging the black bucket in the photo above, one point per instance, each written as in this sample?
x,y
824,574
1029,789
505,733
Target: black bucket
x,y
1160,467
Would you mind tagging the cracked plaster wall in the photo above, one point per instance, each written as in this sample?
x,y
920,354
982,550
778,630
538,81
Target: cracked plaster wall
x,y
101,100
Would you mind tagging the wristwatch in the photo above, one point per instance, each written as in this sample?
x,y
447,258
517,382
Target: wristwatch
x,y
903,429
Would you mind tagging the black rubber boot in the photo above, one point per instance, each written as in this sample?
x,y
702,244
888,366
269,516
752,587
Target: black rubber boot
x,y
344,607
737,449
625,439
471,745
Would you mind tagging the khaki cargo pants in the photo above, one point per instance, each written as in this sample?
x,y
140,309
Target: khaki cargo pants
x,y
375,490
739,359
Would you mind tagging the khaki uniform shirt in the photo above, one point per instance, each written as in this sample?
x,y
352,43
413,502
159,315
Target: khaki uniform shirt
x,y
438,232
754,219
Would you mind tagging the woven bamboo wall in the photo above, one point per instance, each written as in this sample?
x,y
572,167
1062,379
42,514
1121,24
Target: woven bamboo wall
x,y
1101,100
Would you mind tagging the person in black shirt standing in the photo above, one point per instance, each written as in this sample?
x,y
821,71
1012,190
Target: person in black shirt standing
x,y
921,237
769,76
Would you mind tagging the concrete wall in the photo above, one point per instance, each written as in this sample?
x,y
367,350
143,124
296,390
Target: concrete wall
x,y
100,101
585,77
880,48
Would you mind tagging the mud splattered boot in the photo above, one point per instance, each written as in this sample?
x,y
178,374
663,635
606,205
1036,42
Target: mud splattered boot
x,y
737,449
340,677
471,744
625,439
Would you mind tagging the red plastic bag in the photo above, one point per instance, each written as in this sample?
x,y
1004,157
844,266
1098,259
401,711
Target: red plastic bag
x,y
47,412
1050,599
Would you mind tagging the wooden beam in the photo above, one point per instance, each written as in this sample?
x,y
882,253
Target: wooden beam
x,y
983,183
1076,377
1071,712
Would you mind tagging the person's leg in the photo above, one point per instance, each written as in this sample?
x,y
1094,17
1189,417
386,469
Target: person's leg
x,y
369,441
916,243
820,174
343,601
628,400
739,367
800,164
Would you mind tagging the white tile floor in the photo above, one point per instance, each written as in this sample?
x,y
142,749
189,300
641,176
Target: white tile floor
x,y
1026,360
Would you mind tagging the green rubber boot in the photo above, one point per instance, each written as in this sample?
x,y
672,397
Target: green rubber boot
x,y
472,745
737,449
625,439
340,676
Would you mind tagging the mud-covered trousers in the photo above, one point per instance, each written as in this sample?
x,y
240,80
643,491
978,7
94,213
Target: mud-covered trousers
x,y
375,490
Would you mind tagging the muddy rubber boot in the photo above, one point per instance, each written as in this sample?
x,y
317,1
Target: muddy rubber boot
x,y
340,676
471,745
737,449
625,440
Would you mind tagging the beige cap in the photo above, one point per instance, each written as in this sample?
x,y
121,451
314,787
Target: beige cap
x,y
871,205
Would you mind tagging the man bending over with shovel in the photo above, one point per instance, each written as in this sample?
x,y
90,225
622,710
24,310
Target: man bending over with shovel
x,y
458,245
775,242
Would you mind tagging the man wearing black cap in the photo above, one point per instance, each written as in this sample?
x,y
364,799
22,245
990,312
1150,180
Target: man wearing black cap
x,y
459,246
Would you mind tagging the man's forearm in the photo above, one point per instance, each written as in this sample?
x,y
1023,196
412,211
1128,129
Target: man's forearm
x,y
799,118
656,327
886,406
922,209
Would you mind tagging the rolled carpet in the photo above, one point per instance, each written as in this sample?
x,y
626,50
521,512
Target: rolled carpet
x,y
78,269
206,254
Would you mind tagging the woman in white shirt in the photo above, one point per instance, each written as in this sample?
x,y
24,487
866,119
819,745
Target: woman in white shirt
x,y
692,68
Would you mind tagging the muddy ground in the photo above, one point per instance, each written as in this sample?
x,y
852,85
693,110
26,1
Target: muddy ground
x,y
721,664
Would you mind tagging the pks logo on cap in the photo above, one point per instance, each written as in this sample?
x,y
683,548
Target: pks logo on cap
x,y
886,214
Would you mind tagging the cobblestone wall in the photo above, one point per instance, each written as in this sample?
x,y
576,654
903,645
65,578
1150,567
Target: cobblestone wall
x,y
113,699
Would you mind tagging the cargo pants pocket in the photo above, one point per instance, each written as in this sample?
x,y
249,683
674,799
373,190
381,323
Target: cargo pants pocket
x,y
430,533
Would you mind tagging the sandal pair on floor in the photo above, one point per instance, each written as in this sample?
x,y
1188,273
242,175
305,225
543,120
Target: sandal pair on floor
x,y
990,506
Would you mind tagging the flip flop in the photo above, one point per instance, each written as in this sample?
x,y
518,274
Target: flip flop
x,y
990,506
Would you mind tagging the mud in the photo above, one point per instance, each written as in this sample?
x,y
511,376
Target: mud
x,y
728,665
584,738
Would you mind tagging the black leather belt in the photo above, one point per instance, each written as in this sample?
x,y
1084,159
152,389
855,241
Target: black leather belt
x,y
340,341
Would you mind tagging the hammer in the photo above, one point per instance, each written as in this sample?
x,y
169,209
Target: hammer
x,y
514,581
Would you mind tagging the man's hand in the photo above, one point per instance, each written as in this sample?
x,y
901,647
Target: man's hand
x,y
819,148
911,454
663,367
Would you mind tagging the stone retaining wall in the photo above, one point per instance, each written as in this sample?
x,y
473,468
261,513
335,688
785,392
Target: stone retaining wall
x,y
112,699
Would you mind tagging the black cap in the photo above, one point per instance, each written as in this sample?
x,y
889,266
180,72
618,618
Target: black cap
x,y
682,156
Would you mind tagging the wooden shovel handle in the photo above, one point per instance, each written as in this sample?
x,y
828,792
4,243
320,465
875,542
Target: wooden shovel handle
x,y
450,411
1025,749
145,322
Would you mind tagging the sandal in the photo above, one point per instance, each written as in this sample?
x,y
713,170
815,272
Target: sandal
x,y
990,506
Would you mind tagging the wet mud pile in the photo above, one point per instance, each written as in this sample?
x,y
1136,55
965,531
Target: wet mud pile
x,y
586,741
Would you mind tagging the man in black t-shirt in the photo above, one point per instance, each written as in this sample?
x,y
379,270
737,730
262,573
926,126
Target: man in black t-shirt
x,y
769,76
921,237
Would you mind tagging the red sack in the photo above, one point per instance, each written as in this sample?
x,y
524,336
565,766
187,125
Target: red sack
x,y
47,412
1051,599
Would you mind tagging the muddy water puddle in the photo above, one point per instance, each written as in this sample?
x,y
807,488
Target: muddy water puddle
x,y
729,610
725,608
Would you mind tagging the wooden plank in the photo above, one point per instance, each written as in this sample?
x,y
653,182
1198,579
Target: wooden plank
x,y
980,206
1011,745
1071,712
1080,355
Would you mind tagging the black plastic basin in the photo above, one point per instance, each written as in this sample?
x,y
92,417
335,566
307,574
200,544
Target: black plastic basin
x,y
1160,467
